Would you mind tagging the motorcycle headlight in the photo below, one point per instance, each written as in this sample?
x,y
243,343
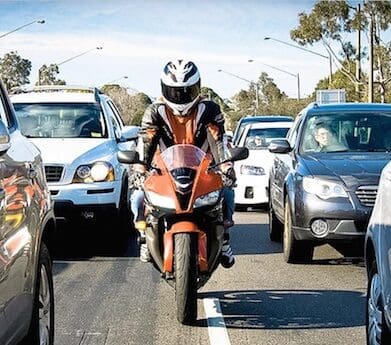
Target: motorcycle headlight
x,y
324,189
96,172
207,199
160,200
251,170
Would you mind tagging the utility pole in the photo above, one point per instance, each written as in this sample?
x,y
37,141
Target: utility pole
x,y
370,77
358,56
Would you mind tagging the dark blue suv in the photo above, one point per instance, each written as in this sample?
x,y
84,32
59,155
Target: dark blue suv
x,y
325,175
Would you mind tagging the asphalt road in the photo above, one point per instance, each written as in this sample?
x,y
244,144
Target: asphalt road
x,y
109,297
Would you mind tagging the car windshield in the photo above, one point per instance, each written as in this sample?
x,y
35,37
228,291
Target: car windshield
x,y
347,132
260,138
55,120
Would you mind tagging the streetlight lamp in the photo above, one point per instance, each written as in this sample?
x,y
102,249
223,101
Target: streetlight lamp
x,y
281,70
23,26
248,81
113,81
309,51
76,56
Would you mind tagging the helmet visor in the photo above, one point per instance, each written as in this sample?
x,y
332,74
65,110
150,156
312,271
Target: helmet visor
x,y
181,94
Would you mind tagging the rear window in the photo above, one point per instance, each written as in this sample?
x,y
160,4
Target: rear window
x,y
55,120
260,138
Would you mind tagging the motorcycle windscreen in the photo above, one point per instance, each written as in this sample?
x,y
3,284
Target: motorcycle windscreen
x,y
182,156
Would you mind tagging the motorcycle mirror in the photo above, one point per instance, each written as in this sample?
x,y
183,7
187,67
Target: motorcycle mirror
x,y
128,157
238,153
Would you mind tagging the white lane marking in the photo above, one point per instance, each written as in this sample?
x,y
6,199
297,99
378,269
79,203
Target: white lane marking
x,y
218,334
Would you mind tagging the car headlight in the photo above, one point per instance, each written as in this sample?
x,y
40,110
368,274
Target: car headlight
x,y
251,170
96,172
323,189
160,200
207,199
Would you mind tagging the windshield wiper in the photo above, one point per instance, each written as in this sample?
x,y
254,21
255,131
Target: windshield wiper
x,y
335,151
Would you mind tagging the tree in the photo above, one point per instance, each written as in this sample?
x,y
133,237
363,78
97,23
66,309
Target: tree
x,y
329,21
271,93
341,81
131,107
213,96
47,75
14,70
273,101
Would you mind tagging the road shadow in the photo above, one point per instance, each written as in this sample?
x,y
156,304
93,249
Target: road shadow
x,y
84,241
290,309
247,239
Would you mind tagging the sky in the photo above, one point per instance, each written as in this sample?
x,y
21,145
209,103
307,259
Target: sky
x,y
139,37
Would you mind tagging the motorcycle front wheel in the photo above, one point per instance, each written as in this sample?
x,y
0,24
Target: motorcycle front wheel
x,y
185,265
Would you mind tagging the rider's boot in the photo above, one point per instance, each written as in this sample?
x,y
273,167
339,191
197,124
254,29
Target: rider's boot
x,y
227,256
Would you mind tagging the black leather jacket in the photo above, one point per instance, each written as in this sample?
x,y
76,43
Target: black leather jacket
x,y
155,130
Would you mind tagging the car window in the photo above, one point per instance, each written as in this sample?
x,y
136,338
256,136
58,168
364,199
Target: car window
x,y
3,113
292,134
347,132
260,138
116,113
56,120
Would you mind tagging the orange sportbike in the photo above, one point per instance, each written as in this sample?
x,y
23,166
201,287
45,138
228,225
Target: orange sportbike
x,y
184,207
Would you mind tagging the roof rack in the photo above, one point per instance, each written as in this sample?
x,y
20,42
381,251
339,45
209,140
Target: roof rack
x,y
56,88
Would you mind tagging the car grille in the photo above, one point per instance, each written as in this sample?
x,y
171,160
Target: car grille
x,y
53,173
367,195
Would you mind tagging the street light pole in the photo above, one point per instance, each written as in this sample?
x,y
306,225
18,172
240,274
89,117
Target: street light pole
x,y
67,60
76,56
248,81
23,26
113,81
309,51
281,70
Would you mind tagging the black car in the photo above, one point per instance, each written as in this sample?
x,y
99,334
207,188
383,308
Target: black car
x,y
325,175
26,229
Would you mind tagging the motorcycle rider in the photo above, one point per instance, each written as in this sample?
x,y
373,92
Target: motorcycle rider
x,y
182,116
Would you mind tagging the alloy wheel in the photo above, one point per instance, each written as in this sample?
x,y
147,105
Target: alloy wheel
x,y
44,307
375,311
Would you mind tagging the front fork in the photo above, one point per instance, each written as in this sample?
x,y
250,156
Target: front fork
x,y
184,227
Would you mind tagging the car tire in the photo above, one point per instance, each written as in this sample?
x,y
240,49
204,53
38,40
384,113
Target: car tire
x,y
41,330
376,327
275,226
124,209
294,251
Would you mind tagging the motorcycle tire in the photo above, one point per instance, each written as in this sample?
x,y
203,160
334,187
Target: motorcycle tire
x,y
185,264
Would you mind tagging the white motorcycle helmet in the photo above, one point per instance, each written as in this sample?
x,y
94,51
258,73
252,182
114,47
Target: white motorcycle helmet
x,y
181,83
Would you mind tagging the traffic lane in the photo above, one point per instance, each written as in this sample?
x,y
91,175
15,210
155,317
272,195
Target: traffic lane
x,y
122,301
105,295
266,301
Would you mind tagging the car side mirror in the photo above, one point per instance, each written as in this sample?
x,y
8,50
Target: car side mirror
x,y
128,157
129,133
5,142
279,146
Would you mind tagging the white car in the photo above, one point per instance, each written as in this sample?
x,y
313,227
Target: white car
x,y
79,132
378,264
253,173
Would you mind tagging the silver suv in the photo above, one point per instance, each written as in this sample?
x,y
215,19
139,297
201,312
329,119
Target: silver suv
x,y
26,227
79,131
